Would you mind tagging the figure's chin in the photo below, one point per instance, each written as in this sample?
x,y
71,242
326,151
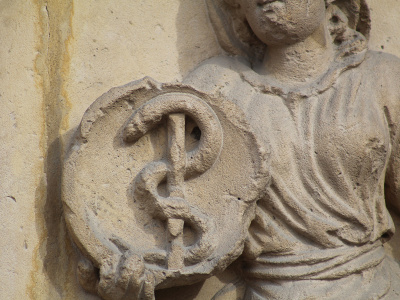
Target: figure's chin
x,y
279,34
280,38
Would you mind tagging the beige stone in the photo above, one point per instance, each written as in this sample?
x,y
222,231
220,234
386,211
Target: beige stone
x,y
123,41
22,148
156,213
49,76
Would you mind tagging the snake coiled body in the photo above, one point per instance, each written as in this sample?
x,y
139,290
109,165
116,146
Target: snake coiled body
x,y
180,164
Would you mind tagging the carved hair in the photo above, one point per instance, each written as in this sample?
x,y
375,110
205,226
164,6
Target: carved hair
x,y
349,21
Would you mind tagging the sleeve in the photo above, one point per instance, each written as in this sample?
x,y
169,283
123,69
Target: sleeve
x,y
392,179
391,107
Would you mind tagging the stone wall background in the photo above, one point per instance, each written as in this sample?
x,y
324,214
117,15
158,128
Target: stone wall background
x,y
56,58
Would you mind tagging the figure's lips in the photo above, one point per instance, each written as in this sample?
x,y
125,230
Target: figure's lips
x,y
269,7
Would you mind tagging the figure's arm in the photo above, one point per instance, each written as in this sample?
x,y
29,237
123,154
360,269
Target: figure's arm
x,y
391,107
392,180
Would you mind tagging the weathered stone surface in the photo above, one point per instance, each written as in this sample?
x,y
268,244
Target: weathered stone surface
x,y
21,147
323,218
49,76
156,206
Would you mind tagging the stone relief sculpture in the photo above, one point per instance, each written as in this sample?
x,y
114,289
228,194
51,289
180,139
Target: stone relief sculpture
x,y
284,152
142,193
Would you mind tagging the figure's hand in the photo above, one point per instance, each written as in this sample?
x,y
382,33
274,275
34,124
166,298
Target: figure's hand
x,y
123,278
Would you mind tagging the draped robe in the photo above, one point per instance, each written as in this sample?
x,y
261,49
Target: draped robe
x,y
334,149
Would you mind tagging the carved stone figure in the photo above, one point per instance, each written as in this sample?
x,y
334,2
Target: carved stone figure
x,y
294,130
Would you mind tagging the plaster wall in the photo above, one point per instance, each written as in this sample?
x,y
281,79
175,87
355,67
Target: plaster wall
x,y
56,58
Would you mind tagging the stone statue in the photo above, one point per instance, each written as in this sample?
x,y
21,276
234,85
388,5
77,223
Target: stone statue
x,y
284,152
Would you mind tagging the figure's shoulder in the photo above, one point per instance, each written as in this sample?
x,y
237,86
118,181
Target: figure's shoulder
x,y
383,73
220,65
384,62
214,72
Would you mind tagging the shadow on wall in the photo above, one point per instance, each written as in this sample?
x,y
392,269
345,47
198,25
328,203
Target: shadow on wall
x,y
57,254
196,40
54,222
49,225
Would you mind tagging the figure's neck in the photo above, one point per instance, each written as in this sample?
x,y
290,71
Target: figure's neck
x,y
300,62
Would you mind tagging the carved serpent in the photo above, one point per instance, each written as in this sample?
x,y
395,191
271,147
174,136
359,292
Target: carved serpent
x,y
179,166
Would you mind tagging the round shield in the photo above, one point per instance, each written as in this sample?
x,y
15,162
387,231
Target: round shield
x,y
166,173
